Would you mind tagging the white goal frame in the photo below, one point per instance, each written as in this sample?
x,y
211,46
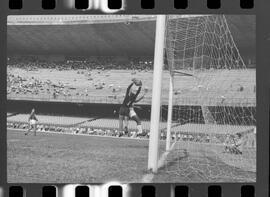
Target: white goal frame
x,y
156,94
153,153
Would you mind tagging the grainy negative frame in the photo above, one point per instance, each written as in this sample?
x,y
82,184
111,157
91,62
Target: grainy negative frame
x,y
261,10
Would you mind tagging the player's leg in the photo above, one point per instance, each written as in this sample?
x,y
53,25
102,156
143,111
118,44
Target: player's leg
x,y
121,118
230,148
35,129
227,149
126,124
139,126
132,115
139,123
235,150
29,128
240,149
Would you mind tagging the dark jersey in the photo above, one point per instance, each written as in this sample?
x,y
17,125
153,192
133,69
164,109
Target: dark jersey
x,y
130,98
32,117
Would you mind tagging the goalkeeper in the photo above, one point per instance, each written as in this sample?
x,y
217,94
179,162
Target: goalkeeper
x,y
127,108
133,115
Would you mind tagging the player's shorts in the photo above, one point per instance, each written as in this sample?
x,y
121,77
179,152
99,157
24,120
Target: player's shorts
x,y
33,122
132,112
124,111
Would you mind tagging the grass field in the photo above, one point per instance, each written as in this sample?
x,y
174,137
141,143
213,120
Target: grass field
x,y
59,158
74,159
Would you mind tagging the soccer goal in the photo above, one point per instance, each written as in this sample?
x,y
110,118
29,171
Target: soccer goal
x,y
210,100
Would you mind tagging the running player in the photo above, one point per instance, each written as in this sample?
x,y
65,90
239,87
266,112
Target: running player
x,y
124,112
32,122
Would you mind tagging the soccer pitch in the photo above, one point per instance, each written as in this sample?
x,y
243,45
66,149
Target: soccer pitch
x,y
60,158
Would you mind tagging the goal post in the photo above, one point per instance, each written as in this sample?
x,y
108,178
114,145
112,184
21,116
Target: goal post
x,y
160,45
156,94
169,115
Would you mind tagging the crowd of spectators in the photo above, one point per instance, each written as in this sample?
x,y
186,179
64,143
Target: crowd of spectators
x,y
188,137
18,85
71,130
102,63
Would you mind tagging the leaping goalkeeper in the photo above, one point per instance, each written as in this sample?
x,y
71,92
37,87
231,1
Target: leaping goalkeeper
x,y
127,108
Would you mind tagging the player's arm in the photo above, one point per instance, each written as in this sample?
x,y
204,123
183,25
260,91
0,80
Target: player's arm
x,y
129,87
139,90
139,99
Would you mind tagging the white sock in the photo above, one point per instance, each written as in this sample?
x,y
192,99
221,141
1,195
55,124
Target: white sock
x,y
139,127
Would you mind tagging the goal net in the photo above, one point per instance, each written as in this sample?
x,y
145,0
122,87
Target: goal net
x,y
210,103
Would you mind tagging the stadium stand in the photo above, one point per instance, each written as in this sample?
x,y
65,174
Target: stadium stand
x,y
97,80
23,85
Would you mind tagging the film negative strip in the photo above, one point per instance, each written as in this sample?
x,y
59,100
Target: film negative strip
x,y
134,98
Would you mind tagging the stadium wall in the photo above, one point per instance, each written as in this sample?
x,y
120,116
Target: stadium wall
x,y
51,58
72,109
241,114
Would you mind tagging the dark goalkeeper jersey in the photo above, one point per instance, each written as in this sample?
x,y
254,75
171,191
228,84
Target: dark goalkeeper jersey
x,y
130,98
